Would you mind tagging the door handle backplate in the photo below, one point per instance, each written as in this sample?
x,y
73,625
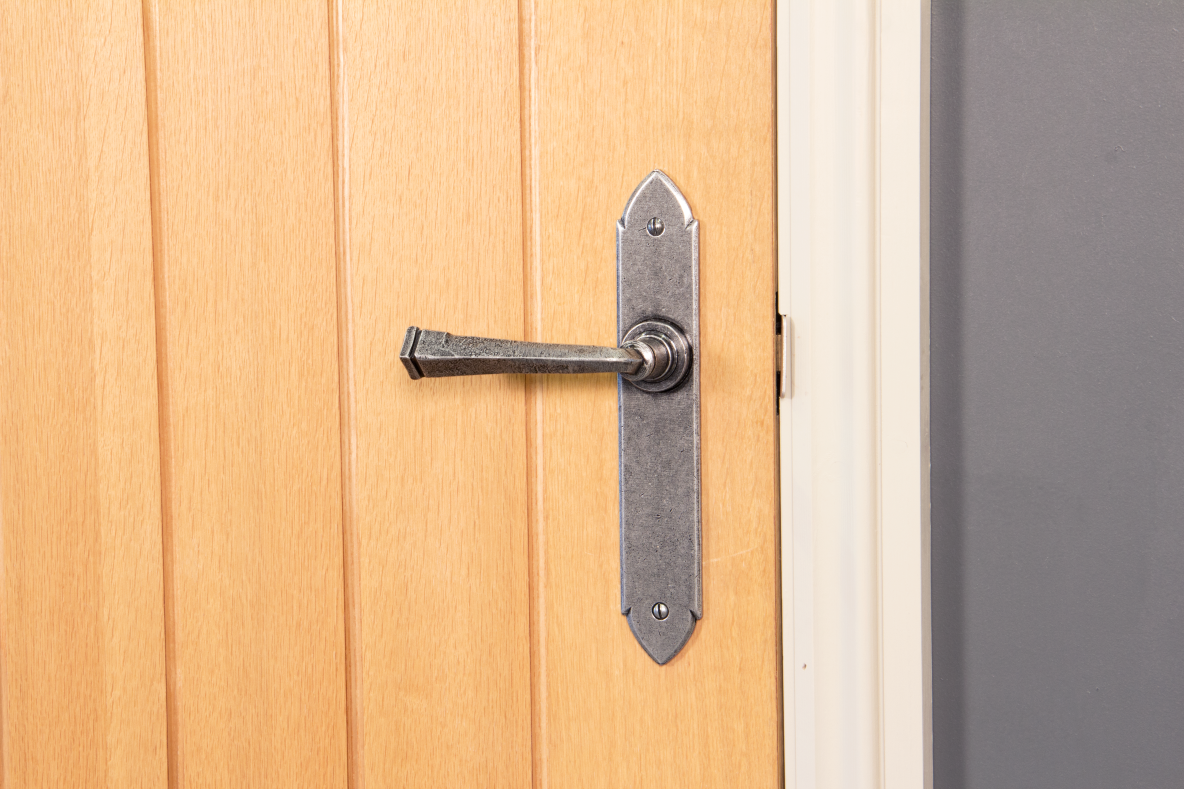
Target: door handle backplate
x,y
661,564
658,404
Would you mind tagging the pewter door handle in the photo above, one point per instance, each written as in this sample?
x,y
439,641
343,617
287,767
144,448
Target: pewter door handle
x,y
654,355
658,363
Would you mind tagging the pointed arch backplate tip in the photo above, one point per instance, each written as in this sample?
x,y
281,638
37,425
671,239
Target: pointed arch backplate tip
x,y
662,647
658,179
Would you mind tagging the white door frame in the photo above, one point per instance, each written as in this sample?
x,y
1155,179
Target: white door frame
x,y
853,161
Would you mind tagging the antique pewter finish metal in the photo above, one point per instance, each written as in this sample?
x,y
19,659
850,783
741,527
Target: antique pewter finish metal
x,y
658,280
658,397
437,354
654,356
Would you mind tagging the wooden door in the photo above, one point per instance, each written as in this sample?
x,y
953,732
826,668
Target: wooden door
x,y
240,547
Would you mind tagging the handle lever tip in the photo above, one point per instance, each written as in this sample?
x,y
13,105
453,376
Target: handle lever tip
x,y
407,354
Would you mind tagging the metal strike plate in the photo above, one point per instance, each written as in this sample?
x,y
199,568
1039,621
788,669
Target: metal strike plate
x,y
661,547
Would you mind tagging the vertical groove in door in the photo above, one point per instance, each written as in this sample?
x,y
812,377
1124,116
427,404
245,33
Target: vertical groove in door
x,y
160,291
339,102
532,314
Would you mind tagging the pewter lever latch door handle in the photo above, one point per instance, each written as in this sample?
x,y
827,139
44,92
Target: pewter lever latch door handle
x,y
654,356
658,359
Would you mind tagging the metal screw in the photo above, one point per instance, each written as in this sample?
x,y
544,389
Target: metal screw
x,y
655,227
660,611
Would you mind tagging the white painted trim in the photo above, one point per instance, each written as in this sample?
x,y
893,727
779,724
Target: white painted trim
x,y
852,125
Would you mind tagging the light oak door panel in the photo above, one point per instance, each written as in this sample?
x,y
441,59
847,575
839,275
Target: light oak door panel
x,y
614,91
302,568
435,240
81,618
246,275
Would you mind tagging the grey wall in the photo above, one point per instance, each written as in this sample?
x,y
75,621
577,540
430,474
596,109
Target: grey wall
x,y
1057,265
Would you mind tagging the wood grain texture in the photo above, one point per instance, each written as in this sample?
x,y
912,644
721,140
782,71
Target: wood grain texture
x,y
435,240
610,96
243,169
81,621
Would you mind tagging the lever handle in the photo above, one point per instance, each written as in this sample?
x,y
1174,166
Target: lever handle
x,y
655,355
